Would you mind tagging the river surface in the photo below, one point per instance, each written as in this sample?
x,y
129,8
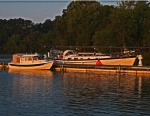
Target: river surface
x,y
5,58
51,93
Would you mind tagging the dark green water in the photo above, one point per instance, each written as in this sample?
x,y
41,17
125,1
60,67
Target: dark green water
x,y
50,93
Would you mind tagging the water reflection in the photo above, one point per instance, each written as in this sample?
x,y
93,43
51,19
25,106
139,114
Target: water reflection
x,y
43,92
106,94
31,84
41,73
94,83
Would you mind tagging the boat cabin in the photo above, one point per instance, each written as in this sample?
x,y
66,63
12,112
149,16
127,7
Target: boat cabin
x,y
26,58
73,55
56,54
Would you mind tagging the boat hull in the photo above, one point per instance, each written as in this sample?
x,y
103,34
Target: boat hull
x,y
44,65
109,61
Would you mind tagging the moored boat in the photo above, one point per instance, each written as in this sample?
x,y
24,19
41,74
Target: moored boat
x,y
30,61
72,57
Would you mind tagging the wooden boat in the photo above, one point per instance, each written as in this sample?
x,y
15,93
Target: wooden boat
x,y
30,61
72,57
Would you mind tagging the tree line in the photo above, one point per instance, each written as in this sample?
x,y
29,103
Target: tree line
x,y
82,23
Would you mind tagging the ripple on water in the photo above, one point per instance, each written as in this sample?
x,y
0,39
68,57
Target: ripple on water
x,y
44,93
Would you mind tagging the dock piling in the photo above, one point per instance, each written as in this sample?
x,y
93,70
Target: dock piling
x,y
140,60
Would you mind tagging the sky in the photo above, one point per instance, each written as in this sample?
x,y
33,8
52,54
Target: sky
x,y
36,10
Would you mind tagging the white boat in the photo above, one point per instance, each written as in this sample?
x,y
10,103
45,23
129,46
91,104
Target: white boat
x,y
72,57
30,61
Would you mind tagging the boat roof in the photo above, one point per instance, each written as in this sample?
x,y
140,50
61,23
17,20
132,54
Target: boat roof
x,y
27,55
85,53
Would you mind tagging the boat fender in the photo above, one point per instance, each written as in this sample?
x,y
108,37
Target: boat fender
x,y
98,62
54,62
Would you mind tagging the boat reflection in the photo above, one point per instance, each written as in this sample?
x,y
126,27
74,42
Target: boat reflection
x,y
42,73
75,93
29,84
86,86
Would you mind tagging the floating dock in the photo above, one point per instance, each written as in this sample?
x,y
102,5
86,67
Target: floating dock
x,y
103,68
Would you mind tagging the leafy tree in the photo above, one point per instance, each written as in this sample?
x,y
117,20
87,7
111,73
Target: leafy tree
x,y
141,17
83,23
80,21
122,24
12,45
83,19
146,23
59,31
47,26
30,44
47,39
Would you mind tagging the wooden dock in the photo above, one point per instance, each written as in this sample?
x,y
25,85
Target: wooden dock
x,y
3,65
103,68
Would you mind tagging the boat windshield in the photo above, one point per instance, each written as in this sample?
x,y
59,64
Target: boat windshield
x,y
69,52
55,53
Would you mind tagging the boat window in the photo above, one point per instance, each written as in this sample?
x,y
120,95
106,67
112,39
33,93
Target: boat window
x,y
22,59
60,56
40,57
70,52
35,58
26,59
55,53
75,58
29,59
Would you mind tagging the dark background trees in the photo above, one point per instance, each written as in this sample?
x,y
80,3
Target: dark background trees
x,y
83,23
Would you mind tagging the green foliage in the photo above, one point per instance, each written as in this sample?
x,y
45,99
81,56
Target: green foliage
x,y
83,23
13,44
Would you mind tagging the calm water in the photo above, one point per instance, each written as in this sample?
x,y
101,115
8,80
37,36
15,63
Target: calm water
x,y
49,93
5,58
